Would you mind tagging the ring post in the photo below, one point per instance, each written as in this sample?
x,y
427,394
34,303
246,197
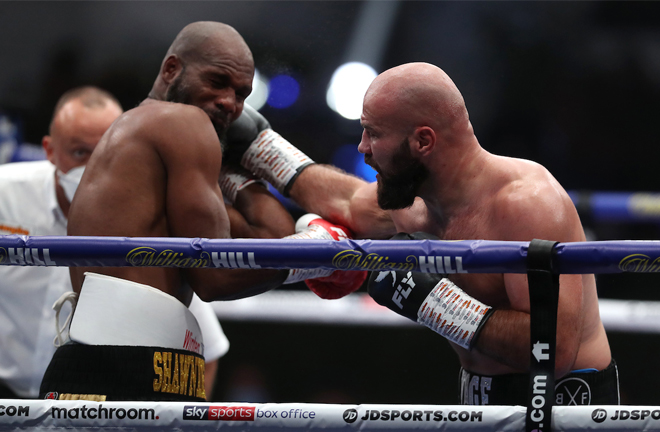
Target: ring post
x,y
543,299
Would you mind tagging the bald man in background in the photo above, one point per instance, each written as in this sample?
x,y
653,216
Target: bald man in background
x,y
34,200
435,181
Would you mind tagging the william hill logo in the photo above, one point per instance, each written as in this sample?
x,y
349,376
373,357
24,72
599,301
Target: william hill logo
x,y
640,263
26,256
145,256
351,259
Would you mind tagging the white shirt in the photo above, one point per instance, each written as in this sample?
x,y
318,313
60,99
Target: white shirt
x,y
28,206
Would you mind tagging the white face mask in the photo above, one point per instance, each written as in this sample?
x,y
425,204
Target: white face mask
x,y
70,180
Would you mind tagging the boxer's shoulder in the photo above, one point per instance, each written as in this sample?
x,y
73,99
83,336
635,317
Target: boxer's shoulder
x,y
164,114
166,125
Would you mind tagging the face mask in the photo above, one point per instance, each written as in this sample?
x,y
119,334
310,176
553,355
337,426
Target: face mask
x,y
70,181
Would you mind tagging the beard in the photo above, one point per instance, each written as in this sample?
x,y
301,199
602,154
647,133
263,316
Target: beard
x,y
398,189
179,91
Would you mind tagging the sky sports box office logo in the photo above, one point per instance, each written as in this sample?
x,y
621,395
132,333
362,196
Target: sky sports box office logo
x,y
241,413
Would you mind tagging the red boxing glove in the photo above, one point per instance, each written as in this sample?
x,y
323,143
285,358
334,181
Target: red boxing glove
x,y
339,283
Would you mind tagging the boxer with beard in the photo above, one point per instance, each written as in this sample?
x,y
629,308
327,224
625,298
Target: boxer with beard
x,y
435,181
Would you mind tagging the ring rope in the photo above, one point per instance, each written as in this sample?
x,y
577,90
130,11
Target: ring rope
x,y
433,256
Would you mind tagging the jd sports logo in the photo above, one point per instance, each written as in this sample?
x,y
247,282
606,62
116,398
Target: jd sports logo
x,y
599,415
572,391
350,415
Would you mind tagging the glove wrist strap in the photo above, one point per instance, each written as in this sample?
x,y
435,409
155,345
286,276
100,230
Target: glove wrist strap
x,y
276,160
453,314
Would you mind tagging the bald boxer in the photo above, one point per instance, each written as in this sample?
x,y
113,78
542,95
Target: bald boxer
x,y
436,181
155,173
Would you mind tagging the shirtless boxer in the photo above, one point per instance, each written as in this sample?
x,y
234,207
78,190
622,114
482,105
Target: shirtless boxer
x,y
155,174
436,181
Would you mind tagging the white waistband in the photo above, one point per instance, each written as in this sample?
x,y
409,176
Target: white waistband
x,y
114,311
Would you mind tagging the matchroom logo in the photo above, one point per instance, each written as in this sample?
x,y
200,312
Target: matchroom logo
x,y
221,413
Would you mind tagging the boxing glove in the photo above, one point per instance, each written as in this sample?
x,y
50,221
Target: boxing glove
x,y
327,284
241,133
430,299
262,151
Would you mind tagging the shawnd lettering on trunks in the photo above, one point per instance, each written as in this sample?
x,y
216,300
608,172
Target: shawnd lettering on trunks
x,y
26,256
179,374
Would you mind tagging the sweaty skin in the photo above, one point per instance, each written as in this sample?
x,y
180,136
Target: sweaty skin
x,y
155,172
469,194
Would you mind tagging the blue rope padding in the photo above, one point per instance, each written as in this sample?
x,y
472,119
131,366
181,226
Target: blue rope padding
x,y
435,256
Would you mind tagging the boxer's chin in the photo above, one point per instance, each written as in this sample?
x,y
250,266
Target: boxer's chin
x,y
221,131
397,190
395,196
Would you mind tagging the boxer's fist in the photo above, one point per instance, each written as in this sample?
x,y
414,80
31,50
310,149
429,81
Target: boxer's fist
x,y
330,284
403,291
339,284
431,300
251,143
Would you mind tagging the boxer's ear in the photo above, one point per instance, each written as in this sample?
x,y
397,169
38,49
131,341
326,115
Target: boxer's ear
x,y
423,140
47,144
171,68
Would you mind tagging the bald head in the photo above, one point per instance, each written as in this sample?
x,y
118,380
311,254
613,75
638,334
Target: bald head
x,y
210,66
89,97
419,93
80,119
204,41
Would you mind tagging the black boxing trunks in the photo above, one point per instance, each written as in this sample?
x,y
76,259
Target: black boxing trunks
x,y
123,373
576,388
128,342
